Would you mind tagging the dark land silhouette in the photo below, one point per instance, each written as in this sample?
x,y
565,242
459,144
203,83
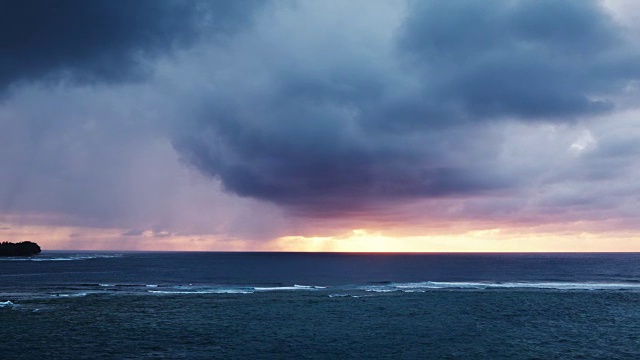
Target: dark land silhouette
x,y
25,248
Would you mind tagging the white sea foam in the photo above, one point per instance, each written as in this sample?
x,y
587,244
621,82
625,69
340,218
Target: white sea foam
x,y
276,288
235,291
434,285
6,303
80,294
309,287
72,257
379,288
338,295
191,289
289,288
203,291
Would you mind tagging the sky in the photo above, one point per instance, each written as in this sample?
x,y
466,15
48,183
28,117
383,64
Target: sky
x,y
320,125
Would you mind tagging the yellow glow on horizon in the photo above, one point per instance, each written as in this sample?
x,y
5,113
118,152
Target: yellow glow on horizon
x,y
577,237
483,240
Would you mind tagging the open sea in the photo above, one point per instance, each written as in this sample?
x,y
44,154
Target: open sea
x,y
62,305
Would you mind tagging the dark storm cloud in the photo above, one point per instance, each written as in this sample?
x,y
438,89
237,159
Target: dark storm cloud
x,y
530,59
325,134
96,40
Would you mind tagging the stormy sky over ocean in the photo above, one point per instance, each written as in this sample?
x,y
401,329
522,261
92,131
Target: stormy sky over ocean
x,y
291,125
320,179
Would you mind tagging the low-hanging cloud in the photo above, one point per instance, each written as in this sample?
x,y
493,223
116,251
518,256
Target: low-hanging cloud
x,y
326,130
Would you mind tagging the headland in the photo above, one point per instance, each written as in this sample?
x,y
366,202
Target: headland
x,y
25,248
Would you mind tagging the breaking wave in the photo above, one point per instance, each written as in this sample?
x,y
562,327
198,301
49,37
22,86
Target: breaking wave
x,y
230,290
342,291
435,285
285,288
56,257
7,303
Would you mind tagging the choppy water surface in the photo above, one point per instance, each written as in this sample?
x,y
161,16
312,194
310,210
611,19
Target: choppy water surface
x,y
257,305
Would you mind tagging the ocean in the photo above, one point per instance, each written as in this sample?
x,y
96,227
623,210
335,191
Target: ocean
x,y
180,305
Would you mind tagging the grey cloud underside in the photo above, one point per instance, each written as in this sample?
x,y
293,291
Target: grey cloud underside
x,y
312,161
346,134
97,41
291,109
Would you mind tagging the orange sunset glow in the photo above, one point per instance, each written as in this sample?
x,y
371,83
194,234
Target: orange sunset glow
x,y
497,239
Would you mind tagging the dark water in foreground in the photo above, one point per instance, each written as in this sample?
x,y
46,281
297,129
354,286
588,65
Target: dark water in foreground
x,y
272,306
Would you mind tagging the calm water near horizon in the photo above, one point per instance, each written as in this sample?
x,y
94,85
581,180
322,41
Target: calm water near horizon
x,y
189,305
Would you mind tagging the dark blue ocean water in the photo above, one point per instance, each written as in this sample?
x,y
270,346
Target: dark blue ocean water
x,y
292,305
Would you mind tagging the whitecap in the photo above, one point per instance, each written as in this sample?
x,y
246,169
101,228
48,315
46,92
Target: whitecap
x,y
80,294
72,257
338,295
435,285
308,287
203,291
379,288
289,288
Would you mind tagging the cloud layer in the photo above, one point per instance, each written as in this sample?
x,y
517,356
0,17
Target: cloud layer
x,y
397,112
527,59
407,118
103,41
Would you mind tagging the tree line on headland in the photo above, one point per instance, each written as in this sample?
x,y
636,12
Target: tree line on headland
x,y
25,248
